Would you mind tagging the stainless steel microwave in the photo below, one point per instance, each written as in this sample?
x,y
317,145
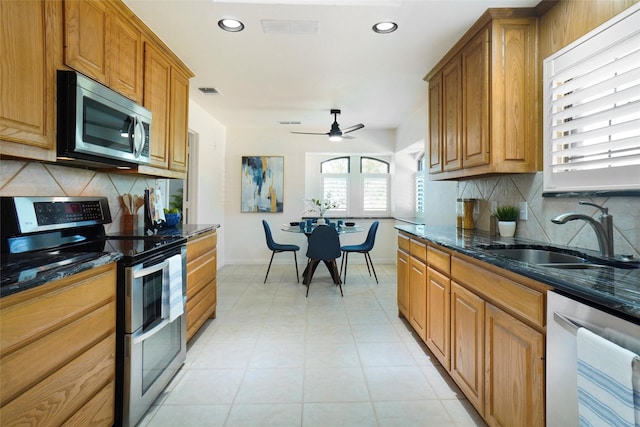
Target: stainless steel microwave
x,y
99,127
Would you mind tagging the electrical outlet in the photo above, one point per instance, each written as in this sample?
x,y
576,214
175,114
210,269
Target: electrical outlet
x,y
524,211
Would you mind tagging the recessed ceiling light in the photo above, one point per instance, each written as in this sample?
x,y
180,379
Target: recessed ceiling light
x,y
385,27
231,25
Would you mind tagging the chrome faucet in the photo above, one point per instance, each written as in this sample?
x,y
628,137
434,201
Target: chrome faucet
x,y
603,228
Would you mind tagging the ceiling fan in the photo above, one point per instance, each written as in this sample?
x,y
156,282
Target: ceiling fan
x,y
335,134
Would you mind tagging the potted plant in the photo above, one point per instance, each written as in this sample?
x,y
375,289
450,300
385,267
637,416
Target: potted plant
x,y
507,216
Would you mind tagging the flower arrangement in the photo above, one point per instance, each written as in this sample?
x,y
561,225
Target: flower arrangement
x,y
317,207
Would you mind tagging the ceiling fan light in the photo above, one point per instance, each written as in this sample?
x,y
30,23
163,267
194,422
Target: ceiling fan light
x,y
385,27
335,138
231,25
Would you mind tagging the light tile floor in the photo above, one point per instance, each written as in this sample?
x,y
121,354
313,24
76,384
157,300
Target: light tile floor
x,y
275,358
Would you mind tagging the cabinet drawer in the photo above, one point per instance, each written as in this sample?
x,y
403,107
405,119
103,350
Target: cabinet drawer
x,y
200,272
439,260
404,243
419,250
201,245
522,301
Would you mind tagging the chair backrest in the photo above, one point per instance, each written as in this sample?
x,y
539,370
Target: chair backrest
x,y
324,243
268,235
371,235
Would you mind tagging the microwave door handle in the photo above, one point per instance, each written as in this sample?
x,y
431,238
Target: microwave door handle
x,y
139,136
150,270
151,332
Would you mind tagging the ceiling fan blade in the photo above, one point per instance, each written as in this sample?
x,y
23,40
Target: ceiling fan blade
x,y
311,133
353,128
348,137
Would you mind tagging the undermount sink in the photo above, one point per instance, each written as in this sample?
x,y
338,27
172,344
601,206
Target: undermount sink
x,y
553,257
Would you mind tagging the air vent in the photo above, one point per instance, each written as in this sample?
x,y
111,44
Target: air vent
x,y
289,27
290,123
209,90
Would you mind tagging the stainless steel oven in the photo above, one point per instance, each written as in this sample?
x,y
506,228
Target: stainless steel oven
x,y
152,338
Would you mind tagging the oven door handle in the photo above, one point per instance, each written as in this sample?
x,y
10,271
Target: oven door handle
x,y
151,332
150,270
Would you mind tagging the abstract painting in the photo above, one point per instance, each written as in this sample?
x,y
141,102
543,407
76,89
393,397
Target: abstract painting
x,y
262,183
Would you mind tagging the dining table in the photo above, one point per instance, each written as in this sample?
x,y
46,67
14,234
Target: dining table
x,y
308,229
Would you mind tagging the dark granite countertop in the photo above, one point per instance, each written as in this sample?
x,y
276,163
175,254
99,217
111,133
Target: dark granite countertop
x,y
16,279
616,290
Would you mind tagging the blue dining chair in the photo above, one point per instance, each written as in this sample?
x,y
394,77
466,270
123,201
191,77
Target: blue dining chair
x,y
277,248
324,245
363,248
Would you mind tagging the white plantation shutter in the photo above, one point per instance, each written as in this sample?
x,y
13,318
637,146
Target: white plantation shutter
x,y
375,189
335,190
592,110
420,192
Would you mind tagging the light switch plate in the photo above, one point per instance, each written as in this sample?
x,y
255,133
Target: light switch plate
x,y
524,211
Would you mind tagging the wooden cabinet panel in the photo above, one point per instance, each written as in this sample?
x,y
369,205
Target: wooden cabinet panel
x,y
439,260
418,250
438,316
435,123
126,59
72,322
404,243
87,38
403,283
201,281
515,371
157,87
520,300
29,42
452,115
179,113
467,344
475,100
418,296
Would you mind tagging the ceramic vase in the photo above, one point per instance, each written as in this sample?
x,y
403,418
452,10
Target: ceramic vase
x,y
507,228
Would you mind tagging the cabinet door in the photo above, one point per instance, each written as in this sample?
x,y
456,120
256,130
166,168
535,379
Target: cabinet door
x,y
403,283
452,115
515,371
29,44
418,296
86,25
475,101
435,124
157,87
438,317
179,111
125,61
467,344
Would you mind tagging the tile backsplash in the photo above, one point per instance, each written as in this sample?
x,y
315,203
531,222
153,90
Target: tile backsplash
x,y
19,178
517,188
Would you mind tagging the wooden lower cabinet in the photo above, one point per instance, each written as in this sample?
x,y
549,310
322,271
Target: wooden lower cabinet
x,y
418,296
437,334
57,352
467,344
515,371
201,281
403,283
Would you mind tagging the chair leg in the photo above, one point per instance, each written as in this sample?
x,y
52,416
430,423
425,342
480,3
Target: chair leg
x,y
269,268
295,259
346,263
310,265
366,260
342,261
368,255
335,268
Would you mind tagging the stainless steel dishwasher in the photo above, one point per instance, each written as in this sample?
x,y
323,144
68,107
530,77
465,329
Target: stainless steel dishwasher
x,y
564,316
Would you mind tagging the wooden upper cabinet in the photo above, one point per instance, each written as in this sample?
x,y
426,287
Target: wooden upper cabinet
x,y
451,116
104,45
157,88
30,44
435,123
86,30
179,113
490,89
475,100
126,59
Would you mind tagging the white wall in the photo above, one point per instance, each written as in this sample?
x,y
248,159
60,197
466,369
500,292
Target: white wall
x,y
246,244
209,164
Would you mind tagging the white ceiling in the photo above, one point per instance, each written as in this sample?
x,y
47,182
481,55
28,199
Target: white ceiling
x,y
263,79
